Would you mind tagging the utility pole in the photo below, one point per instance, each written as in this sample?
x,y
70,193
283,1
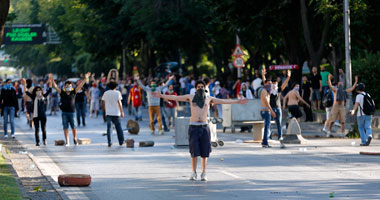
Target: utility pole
x,y
239,69
347,37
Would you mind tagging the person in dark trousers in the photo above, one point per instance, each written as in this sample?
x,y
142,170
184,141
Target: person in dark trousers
x,y
39,111
111,101
306,95
9,106
67,106
275,101
80,104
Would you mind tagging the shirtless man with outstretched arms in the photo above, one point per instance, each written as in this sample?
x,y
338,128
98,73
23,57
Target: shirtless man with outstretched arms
x,y
294,98
199,133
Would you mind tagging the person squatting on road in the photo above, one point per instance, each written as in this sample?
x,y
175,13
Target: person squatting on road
x,y
153,102
39,111
339,105
111,101
294,98
8,106
67,105
275,101
366,108
199,132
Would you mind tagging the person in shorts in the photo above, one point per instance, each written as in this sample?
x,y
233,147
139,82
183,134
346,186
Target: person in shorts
x,y
67,105
199,132
294,98
338,110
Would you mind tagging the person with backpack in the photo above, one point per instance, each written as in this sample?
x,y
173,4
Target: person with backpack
x,y
327,102
339,108
366,109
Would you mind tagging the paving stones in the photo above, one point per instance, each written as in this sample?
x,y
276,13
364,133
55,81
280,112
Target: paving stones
x,y
146,143
84,141
76,180
59,142
130,143
133,127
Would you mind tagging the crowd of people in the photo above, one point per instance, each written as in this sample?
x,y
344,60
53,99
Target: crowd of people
x,y
109,97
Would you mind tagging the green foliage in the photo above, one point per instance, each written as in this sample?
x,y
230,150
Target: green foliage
x,y
367,69
8,187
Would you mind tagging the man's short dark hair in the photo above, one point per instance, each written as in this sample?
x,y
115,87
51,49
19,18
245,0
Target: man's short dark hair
x,y
112,85
199,82
68,82
360,87
206,80
8,80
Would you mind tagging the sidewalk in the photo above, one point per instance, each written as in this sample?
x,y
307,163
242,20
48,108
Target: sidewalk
x,y
32,183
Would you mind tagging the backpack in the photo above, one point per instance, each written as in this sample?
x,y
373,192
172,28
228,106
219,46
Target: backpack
x,y
368,105
328,99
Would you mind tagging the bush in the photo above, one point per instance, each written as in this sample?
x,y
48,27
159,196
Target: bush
x,y
367,68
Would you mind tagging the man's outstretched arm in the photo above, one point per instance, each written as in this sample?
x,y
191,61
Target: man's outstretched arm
x,y
228,101
172,97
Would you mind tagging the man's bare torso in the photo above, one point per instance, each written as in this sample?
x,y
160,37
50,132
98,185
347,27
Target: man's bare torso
x,y
199,114
293,98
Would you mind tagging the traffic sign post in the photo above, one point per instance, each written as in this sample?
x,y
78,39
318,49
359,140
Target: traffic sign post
x,y
238,62
238,51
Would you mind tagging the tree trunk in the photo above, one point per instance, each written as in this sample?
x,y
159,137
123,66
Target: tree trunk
x,y
314,55
4,9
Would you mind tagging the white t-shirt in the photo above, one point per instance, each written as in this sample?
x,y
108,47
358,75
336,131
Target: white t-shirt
x,y
182,81
360,100
95,93
111,99
192,91
256,83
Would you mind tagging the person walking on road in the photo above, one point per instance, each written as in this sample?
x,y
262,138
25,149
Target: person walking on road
x,y
94,95
80,104
113,106
8,106
171,107
135,96
39,111
339,108
366,108
199,132
67,106
294,98
153,103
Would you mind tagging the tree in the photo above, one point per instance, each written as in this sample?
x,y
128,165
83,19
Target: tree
x,y
4,8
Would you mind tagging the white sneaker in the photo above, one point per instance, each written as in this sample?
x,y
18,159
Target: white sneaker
x,y
337,124
324,129
328,134
13,136
67,144
160,132
203,177
5,136
193,176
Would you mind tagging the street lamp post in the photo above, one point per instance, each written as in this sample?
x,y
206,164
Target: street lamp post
x,y
347,37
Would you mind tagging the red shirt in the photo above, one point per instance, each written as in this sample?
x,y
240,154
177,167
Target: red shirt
x,y
136,96
174,103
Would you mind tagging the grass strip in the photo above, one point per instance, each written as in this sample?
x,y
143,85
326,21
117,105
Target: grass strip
x,y
9,189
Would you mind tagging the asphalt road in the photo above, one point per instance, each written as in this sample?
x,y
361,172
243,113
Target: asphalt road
x,y
315,170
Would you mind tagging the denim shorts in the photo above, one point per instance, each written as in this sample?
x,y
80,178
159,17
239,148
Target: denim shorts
x,y
199,141
68,118
316,95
